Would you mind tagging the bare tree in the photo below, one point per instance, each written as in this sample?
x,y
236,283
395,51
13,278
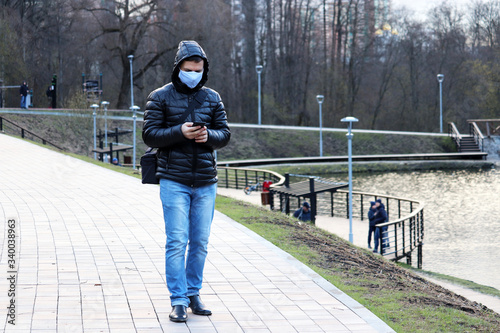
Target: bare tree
x,y
132,26
307,47
289,31
484,25
388,59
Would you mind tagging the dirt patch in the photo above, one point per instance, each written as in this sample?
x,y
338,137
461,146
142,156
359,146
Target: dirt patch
x,y
348,261
371,276
360,268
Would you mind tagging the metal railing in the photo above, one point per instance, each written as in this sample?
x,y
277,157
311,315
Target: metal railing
x,y
454,134
403,234
23,131
476,133
401,237
239,178
488,124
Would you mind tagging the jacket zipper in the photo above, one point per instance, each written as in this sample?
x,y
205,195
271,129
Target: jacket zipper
x,y
195,148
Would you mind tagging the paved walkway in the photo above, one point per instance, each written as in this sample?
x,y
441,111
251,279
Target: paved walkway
x,y
90,258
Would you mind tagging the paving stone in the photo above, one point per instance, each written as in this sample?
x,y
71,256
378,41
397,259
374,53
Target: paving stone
x,y
91,259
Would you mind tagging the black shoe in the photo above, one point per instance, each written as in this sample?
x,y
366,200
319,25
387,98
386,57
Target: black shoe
x,y
178,314
198,307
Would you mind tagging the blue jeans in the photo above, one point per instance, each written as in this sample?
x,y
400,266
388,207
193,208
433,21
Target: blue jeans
x,y
371,231
23,102
385,240
188,213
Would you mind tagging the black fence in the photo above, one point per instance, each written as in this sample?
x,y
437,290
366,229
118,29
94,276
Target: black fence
x,y
15,129
402,236
239,178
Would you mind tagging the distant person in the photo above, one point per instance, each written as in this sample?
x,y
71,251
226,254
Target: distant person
x,y
371,219
380,217
304,212
51,94
23,90
115,161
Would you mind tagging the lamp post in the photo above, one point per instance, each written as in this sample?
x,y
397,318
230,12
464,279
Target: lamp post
x,y
350,120
105,105
134,117
440,78
131,58
94,115
258,69
320,99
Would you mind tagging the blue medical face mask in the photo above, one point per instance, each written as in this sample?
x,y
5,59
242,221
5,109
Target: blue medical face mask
x,y
190,79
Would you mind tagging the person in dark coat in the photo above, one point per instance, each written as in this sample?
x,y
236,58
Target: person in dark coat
x,y
23,90
51,93
187,171
371,219
304,212
380,217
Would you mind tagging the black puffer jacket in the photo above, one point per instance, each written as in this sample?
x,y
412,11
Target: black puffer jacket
x,y
180,159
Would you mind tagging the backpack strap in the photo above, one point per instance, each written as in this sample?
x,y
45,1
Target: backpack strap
x,y
198,99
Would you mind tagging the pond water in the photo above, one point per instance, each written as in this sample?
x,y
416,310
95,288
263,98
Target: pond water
x,y
462,218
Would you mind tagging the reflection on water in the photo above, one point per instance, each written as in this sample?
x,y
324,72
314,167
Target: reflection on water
x,y
462,218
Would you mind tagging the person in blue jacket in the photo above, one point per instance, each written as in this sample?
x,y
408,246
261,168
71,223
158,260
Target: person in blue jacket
x,y
371,219
303,213
380,217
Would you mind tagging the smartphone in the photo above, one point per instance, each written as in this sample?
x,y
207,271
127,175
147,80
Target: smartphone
x,y
198,123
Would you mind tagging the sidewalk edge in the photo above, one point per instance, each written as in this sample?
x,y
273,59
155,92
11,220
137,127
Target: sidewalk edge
x,y
354,305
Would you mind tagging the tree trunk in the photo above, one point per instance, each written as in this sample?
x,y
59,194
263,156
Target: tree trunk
x,y
124,95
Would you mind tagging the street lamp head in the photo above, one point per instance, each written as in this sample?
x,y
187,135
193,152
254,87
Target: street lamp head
x,y
320,98
349,120
134,108
258,69
440,78
94,106
131,57
105,103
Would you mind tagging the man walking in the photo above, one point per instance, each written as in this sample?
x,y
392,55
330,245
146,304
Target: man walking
x,y
186,141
